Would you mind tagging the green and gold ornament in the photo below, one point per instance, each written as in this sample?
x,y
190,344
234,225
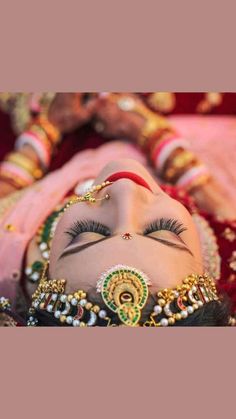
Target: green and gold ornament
x,y
125,291
44,239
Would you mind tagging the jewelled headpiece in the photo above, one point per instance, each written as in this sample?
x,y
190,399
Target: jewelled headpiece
x,y
124,291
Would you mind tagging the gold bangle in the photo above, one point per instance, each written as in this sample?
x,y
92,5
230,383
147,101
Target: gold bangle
x,y
182,159
8,177
23,161
200,181
52,132
152,121
39,131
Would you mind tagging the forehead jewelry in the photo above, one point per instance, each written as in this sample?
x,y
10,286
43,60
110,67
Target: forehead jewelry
x,y
89,196
125,291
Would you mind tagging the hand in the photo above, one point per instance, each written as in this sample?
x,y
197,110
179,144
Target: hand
x,y
69,111
112,121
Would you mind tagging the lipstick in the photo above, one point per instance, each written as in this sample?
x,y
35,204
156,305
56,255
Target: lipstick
x,y
129,175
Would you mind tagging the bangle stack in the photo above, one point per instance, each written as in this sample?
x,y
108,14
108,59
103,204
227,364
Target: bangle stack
x,y
174,163
18,169
167,150
42,136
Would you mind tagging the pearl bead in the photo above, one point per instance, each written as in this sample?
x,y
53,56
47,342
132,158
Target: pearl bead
x,y
190,309
49,308
74,301
164,322
57,314
157,309
54,297
76,323
28,271
83,302
102,314
69,320
35,276
45,255
63,298
43,246
200,303
195,306
184,314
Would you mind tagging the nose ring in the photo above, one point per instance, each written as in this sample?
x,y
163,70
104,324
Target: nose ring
x,y
127,236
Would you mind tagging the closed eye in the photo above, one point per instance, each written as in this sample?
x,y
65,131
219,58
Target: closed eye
x,y
169,224
87,226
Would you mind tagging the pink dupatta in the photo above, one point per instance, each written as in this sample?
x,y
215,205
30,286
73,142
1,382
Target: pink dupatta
x,y
39,201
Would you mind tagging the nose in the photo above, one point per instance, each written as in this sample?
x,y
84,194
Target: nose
x,y
129,202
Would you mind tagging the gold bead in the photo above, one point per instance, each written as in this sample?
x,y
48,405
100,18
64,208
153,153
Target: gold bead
x,y
10,227
161,302
63,318
82,324
178,316
69,298
96,309
171,320
88,306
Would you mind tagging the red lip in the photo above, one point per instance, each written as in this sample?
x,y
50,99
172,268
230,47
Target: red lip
x,y
129,175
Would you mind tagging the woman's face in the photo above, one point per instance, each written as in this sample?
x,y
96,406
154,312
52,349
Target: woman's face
x,y
164,243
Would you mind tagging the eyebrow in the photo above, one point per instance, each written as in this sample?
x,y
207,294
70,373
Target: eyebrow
x,y
82,247
167,243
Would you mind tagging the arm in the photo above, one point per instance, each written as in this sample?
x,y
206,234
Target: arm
x,y
35,147
126,116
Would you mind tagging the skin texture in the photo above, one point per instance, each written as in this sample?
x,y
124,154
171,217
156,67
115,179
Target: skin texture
x,y
130,208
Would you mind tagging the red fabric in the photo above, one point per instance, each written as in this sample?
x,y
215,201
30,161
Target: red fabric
x,y
227,282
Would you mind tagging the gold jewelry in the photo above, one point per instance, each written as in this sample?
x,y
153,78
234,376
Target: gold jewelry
x,y
88,197
153,122
124,291
52,132
178,303
25,163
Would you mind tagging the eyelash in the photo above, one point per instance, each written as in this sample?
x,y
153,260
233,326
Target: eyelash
x,y
169,224
87,226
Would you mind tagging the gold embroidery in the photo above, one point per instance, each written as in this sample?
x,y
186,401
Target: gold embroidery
x,y
229,234
211,100
162,101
